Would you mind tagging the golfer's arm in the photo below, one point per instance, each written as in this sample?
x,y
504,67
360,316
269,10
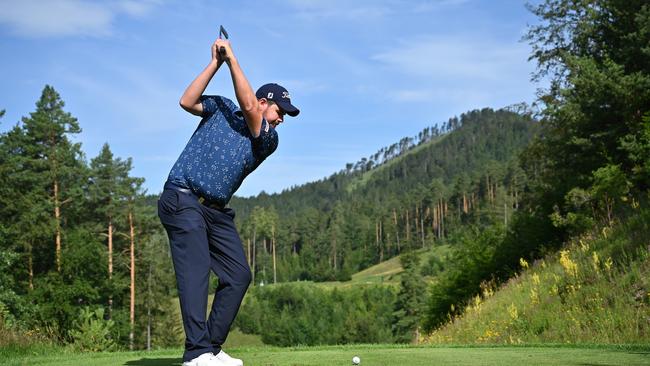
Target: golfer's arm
x,y
191,99
246,98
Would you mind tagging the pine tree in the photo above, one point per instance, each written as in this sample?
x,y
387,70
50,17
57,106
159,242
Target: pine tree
x,y
409,307
106,191
54,157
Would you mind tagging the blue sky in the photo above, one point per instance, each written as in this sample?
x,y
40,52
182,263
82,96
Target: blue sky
x,y
363,73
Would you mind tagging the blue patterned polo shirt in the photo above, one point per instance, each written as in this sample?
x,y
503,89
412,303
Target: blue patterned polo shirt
x,y
221,152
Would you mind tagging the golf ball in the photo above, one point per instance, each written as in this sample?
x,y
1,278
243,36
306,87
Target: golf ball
x,y
356,360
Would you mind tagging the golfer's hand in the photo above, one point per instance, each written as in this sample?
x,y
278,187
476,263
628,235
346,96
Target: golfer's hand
x,y
217,56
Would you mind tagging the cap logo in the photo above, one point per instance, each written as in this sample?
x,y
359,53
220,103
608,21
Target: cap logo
x,y
269,96
285,94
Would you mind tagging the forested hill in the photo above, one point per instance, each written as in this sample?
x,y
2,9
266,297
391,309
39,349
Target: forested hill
x,y
409,194
461,150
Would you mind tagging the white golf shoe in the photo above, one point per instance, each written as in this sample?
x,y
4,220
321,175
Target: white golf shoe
x,y
227,360
206,359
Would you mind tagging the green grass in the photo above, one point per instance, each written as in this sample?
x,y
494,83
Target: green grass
x,y
369,354
389,271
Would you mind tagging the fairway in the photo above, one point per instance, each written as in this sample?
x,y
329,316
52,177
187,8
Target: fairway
x,y
370,355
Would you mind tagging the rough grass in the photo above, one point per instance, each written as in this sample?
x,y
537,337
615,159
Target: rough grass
x,y
595,290
369,354
389,271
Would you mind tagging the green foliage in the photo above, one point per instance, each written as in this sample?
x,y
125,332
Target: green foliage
x,y
587,162
596,54
361,216
92,331
610,186
293,314
409,307
156,284
474,261
51,197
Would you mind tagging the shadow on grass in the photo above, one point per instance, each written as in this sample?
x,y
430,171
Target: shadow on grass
x,y
155,362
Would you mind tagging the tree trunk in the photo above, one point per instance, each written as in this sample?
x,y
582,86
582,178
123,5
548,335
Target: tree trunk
x,y
248,251
441,212
408,228
30,265
464,204
416,219
149,308
132,299
416,334
57,217
110,264
516,195
148,328
396,231
379,242
434,222
253,256
422,228
334,251
273,245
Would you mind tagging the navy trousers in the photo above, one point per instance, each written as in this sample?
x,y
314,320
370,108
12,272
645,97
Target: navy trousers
x,y
204,239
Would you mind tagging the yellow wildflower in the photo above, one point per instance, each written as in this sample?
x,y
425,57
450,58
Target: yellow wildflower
x,y
512,310
534,297
535,279
595,262
570,267
608,264
523,263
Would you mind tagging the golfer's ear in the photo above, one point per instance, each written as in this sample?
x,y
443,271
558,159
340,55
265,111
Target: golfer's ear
x,y
263,103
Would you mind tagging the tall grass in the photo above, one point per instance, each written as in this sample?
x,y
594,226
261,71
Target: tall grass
x,y
595,290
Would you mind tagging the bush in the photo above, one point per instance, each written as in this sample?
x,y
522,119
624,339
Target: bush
x,y
92,332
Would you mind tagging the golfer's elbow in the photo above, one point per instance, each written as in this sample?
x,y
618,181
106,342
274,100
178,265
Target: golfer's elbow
x,y
184,103
193,108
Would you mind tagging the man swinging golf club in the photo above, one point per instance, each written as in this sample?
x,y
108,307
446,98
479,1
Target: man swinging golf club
x,y
228,144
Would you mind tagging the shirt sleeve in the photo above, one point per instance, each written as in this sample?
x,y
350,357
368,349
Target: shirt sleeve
x,y
266,143
210,105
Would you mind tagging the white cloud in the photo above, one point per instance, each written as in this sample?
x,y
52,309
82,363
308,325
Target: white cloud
x,y
62,18
447,57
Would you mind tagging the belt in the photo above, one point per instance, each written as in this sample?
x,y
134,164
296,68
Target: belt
x,y
202,200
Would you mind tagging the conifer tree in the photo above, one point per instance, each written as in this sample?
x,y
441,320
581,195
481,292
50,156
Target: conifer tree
x,y
54,160
106,191
409,307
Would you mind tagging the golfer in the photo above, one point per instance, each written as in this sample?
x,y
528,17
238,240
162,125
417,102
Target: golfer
x,y
228,144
